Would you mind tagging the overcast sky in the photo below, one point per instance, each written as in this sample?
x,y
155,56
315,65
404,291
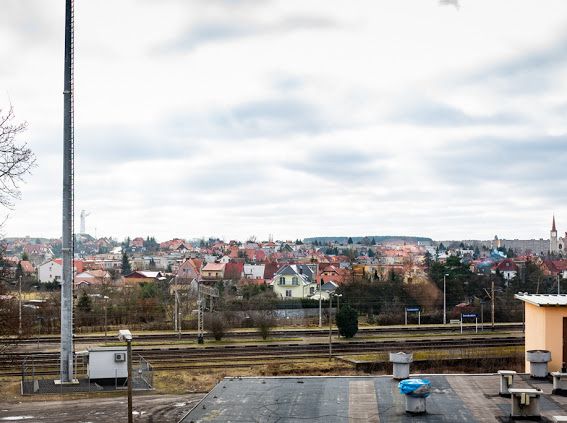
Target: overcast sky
x,y
294,118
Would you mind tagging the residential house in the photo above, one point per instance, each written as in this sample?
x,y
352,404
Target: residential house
x,y
52,271
507,268
140,276
91,277
326,289
27,267
254,271
187,273
234,270
295,281
213,271
38,253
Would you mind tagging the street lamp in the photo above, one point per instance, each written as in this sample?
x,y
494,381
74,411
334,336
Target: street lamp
x,y
20,306
105,298
331,295
445,298
125,335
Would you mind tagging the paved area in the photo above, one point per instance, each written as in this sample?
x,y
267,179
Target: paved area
x,y
147,409
454,398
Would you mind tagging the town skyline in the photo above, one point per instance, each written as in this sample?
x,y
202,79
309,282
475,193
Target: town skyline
x,y
271,236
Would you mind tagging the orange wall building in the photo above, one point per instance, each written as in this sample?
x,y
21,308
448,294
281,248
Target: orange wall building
x,y
546,326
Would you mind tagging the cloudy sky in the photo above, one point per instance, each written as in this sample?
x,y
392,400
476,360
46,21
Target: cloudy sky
x,y
294,118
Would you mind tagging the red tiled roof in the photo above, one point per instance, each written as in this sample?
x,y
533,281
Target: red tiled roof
x,y
233,270
27,267
78,264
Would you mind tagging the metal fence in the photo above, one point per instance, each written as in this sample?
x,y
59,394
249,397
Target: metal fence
x,y
37,378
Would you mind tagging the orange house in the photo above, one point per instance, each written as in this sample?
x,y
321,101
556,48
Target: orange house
x,y
546,326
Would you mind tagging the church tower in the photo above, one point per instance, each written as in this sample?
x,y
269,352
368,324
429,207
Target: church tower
x,y
553,243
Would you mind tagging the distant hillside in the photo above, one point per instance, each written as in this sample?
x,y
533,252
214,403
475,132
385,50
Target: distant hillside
x,y
378,238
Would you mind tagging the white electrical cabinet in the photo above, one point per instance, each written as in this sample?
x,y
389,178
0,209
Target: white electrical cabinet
x,y
107,363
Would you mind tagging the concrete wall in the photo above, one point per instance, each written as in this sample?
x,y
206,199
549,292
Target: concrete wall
x,y
544,331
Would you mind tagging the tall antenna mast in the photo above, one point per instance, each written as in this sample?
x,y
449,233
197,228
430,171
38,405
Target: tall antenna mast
x,y
68,191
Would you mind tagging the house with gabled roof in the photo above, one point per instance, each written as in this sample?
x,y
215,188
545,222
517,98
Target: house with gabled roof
x,y
213,271
507,268
295,281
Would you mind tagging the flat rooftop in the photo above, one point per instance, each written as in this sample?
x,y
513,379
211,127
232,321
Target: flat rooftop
x,y
454,398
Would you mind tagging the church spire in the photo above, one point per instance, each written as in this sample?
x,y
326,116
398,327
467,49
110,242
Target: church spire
x,y
553,229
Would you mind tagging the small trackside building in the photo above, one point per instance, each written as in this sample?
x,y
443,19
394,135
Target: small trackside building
x,y
546,326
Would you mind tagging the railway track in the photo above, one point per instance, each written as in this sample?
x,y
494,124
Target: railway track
x,y
289,333
208,357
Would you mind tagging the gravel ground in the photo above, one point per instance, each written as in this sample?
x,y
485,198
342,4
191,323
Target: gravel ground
x,y
147,409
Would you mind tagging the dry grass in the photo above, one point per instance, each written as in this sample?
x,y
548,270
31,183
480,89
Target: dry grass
x,y
454,353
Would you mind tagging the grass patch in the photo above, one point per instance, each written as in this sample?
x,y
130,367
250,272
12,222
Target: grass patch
x,y
455,353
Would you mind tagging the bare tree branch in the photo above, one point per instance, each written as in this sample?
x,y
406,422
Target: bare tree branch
x,y
16,160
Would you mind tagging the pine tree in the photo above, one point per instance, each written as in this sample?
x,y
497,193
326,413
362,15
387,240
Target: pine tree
x,y
347,321
85,303
126,268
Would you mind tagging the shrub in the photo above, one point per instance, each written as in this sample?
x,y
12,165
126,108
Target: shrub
x,y
347,321
217,326
264,321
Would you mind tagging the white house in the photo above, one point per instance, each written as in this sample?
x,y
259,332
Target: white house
x,y
52,271
295,281
254,271
326,290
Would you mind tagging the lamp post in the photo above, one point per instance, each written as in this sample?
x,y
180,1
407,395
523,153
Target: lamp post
x,y
125,335
320,312
105,298
20,306
445,298
331,295
40,320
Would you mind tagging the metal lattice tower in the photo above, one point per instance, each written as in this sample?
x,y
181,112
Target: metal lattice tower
x,y
66,359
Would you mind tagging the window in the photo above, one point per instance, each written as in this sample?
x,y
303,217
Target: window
x,y
288,293
312,290
281,280
294,281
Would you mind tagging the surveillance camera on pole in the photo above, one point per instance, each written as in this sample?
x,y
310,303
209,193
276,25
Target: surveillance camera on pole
x,y
126,336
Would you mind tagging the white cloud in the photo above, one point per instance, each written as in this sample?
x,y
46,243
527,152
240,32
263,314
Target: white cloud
x,y
295,118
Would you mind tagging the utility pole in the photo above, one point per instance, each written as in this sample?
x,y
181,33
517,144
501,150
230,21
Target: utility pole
x,y
20,306
320,299
175,312
330,327
105,316
492,301
178,319
445,298
200,338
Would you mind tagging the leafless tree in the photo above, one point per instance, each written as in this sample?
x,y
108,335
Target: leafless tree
x,y
16,159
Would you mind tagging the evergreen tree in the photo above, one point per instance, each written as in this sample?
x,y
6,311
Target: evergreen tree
x,y
126,268
19,271
347,321
85,303
349,241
